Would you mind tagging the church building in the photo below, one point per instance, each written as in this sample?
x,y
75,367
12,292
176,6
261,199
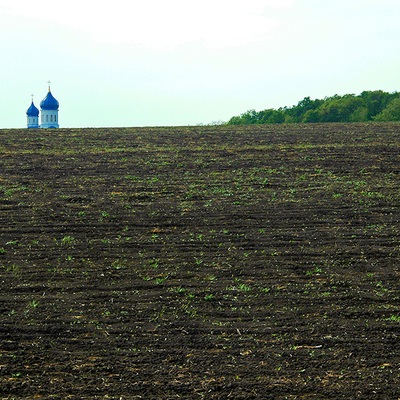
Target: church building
x,y
48,113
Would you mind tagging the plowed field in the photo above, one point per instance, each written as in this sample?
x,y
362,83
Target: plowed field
x,y
200,263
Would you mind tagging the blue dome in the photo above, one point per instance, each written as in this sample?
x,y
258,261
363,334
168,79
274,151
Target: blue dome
x,y
32,111
49,102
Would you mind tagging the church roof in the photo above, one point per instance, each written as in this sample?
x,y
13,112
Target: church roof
x,y
49,102
32,111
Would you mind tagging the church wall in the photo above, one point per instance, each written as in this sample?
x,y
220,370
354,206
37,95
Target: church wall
x,y
49,119
33,122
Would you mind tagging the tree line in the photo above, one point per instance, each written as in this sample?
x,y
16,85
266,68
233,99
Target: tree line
x,y
368,106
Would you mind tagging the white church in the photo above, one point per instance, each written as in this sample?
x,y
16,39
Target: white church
x,y
48,113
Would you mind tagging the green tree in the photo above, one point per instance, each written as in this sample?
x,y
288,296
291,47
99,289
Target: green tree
x,y
247,118
340,109
297,113
272,116
311,116
236,121
359,115
369,105
391,112
376,101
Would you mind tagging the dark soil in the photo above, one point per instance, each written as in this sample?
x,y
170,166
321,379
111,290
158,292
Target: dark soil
x,y
200,263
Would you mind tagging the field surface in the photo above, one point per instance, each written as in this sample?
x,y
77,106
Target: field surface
x,y
200,263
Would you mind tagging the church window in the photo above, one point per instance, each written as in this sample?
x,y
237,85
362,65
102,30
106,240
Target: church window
x,y
47,118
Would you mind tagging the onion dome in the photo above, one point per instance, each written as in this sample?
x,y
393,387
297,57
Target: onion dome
x,y
32,111
49,102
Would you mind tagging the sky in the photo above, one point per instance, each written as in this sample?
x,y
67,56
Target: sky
x,y
172,63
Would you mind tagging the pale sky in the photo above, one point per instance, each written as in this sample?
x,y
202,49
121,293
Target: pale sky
x,y
185,62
